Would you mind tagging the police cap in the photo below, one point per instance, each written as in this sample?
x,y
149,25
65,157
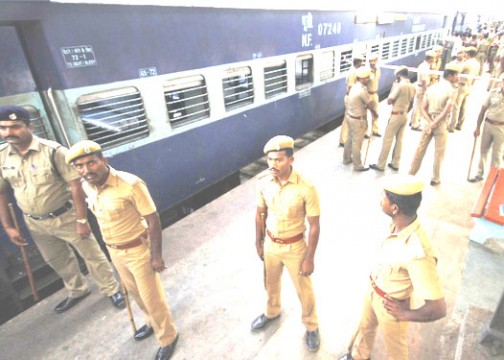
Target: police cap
x,y
471,49
279,142
437,48
399,69
430,53
373,56
14,112
363,72
80,149
402,184
453,67
359,57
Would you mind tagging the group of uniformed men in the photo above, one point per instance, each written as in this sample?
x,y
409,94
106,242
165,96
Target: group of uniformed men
x,y
51,183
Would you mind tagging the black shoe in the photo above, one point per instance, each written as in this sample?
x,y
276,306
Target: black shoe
x,y
376,134
458,127
118,300
68,303
475,179
362,169
375,167
366,136
341,144
143,333
346,357
313,340
392,167
416,129
434,183
165,352
261,321
450,130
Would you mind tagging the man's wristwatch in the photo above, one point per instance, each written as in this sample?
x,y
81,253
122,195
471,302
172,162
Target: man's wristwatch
x,y
82,221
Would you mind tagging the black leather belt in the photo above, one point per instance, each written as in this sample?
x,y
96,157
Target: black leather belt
x,y
53,214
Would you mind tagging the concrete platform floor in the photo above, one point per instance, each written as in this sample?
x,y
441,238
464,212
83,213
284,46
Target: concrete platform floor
x,y
214,277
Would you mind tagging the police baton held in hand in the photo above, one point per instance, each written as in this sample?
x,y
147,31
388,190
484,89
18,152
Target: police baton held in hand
x,y
23,255
128,304
472,157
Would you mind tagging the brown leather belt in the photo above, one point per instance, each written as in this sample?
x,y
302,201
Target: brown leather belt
x,y
372,92
67,206
493,122
377,290
357,117
285,241
128,245
398,112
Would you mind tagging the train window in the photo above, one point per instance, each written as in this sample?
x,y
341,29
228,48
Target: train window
x,y
404,46
113,117
429,40
186,100
375,49
385,51
418,42
424,41
275,79
411,46
395,49
328,64
304,70
345,61
238,88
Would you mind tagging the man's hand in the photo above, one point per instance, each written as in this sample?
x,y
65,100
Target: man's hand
x,y
158,264
307,267
15,237
260,251
83,230
399,309
477,132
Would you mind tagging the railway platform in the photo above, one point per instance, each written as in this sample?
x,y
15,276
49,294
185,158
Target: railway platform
x,y
214,280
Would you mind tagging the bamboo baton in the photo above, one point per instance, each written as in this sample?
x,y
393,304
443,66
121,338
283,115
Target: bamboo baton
x,y
29,273
128,304
263,235
472,157
367,150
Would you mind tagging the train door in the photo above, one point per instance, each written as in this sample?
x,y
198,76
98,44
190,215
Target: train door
x,y
18,87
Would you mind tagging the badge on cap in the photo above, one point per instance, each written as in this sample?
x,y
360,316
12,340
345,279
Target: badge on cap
x,y
13,116
86,150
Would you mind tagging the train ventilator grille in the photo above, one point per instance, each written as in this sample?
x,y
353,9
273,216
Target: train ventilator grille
x,y
345,61
328,68
395,49
186,100
113,117
275,79
385,55
238,88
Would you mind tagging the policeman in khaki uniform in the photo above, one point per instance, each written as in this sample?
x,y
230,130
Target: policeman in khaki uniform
x,y
401,98
372,87
437,62
49,194
284,200
131,229
436,109
471,67
351,79
423,82
492,112
359,101
405,267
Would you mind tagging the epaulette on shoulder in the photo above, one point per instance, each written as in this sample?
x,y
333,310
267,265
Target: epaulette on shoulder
x,y
128,178
263,174
49,143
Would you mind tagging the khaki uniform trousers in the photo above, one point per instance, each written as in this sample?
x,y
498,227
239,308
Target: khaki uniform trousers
x,y
395,129
458,112
352,151
394,333
276,256
144,284
53,237
344,125
440,135
491,137
375,127
416,113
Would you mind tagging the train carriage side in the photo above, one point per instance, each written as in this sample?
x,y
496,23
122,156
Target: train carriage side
x,y
184,97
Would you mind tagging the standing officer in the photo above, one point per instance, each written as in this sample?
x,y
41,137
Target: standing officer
x,y
359,101
129,223
372,87
436,63
406,263
423,82
471,68
55,215
284,199
401,97
492,112
351,79
436,109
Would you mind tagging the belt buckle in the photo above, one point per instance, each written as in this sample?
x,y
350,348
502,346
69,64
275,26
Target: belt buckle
x,y
113,246
279,241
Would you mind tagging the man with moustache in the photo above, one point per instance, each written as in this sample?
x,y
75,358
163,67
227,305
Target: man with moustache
x,y
131,230
284,200
372,87
49,194
423,82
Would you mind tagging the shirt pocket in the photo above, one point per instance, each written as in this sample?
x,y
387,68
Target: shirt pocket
x,y
12,175
42,176
114,209
296,206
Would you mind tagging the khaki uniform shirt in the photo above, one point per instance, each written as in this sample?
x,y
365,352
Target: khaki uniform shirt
x,y
471,67
401,95
423,75
407,263
439,95
119,206
287,204
358,99
495,102
372,85
351,78
38,188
